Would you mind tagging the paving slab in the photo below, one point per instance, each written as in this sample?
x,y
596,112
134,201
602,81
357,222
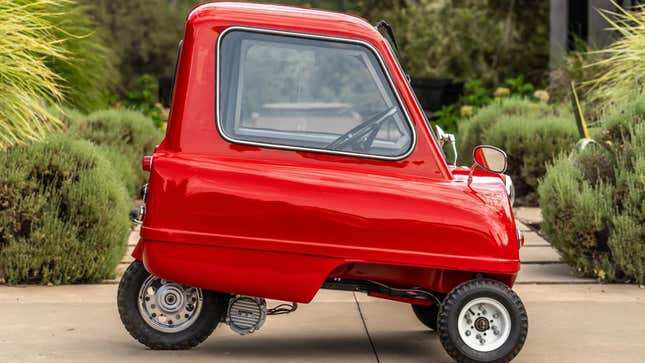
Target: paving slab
x,y
127,258
555,273
534,239
523,227
120,269
528,215
133,237
539,254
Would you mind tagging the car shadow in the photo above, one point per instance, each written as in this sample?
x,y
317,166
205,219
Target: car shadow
x,y
413,346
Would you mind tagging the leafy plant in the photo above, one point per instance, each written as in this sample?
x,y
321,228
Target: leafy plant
x,y
27,40
144,97
593,200
127,136
447,118
49,54
63,213
88,73
518,86
531,133
476,96
620,68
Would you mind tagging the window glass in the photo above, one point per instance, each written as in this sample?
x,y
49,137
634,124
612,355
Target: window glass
x,y
308,93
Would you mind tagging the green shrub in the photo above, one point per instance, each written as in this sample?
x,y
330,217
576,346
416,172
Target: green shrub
x,y
70,117
144,97
596,217
477,95
575,214
63,213
123,167
125,136
531,134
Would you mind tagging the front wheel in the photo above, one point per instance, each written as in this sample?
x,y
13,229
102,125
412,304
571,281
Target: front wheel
x,y
482,321
164,315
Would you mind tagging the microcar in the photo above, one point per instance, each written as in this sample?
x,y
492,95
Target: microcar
x,y
297,158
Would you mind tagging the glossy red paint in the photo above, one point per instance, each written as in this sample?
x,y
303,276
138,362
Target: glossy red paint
x,y
276,223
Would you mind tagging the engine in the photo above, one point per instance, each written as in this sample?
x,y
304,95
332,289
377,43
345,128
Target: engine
x,y
246,314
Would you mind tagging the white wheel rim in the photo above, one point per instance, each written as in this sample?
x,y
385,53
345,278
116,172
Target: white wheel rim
x,y
484,324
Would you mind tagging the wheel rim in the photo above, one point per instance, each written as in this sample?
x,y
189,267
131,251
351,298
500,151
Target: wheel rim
x,y
484,324
167,306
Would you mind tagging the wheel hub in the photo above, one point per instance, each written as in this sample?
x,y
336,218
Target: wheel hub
x,y
170,298
167,306
484,324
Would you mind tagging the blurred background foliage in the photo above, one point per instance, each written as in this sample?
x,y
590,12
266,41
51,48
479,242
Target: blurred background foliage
x,y
489,40
89,72
143,35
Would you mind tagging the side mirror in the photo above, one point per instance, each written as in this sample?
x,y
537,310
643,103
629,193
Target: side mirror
x,y
490,158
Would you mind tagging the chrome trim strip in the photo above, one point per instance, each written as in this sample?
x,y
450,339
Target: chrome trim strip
x,y
287,147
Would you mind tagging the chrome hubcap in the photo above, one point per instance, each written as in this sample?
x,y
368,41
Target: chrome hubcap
x,y
167,306
170,298
484,324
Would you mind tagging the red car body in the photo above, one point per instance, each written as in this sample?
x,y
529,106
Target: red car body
x,y
276,223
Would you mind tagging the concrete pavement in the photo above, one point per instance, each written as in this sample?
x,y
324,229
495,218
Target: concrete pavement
x,y
568,323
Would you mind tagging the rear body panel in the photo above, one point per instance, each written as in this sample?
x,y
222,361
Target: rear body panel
x,y
276,223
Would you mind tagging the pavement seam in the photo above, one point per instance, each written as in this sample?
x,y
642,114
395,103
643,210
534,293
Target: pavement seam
x,y
369,337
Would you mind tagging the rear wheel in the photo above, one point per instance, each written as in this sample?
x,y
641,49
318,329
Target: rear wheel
x,y
482,321
427,314
165,315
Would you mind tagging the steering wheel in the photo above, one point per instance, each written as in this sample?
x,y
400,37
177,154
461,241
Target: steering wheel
x,y
362,136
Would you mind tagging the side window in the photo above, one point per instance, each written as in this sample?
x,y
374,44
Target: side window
x,y
299,92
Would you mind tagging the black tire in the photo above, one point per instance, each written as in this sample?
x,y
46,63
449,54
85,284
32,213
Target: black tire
x,y
427,314
462,295
214,305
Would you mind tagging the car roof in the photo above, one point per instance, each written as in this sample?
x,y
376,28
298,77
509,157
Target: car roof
x,y
322,20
